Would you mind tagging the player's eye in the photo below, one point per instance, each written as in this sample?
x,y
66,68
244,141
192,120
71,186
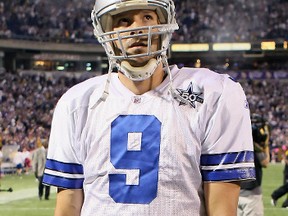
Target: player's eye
x,y
148,17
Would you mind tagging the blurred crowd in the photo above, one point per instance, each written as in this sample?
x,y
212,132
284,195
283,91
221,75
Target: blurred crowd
x,y
27,103
199,20
229,21
59,21
269,99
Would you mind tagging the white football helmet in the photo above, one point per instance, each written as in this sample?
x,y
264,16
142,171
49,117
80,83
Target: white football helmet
x,y
102,15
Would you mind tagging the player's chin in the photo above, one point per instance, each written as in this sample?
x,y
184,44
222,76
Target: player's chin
x,y
139,61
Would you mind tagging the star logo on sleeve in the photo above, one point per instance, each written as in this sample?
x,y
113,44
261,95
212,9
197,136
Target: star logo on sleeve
x,y
188,96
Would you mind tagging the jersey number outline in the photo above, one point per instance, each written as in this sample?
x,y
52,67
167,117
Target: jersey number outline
x,y
145,159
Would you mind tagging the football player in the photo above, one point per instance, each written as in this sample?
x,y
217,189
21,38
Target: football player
x,y
150,139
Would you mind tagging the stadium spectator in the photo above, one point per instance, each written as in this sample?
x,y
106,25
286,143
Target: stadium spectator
x,y
27,160
18,162
39,160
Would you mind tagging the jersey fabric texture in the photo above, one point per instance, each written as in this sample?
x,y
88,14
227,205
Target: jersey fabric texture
x,y
150,154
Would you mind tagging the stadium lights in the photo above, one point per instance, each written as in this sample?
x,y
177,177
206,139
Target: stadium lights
x,y
231,46
60,68
88,66
268,45
39,63
201,47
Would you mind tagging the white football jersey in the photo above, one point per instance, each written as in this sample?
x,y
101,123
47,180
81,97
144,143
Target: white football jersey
x,y
150,154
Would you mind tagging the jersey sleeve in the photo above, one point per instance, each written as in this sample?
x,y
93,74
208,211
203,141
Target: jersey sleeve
x,y
63,168
227,148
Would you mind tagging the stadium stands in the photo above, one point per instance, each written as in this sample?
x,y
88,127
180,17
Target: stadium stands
x,y
200,20
230,21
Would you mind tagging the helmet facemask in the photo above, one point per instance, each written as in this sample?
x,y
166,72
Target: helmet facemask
x,y
113,41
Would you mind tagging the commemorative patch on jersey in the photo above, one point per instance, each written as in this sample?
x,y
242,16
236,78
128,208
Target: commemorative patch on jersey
x,y
188,96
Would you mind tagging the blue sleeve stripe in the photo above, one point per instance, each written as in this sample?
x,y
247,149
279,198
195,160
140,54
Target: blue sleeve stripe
x,y
227,158
229,174
63,182
71,168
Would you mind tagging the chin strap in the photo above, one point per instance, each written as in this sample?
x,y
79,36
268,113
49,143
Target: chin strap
x,y
105,93
139,73
153,63
172,91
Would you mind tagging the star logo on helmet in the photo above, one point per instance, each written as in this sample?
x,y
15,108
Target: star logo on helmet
x,y
190,97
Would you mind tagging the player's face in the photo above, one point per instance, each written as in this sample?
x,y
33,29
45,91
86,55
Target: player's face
x,y
136,45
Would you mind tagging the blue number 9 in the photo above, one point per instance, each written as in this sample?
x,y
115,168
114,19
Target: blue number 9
x,y
144,158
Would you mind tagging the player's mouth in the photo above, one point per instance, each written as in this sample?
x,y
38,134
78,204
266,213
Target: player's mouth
x,y
138,45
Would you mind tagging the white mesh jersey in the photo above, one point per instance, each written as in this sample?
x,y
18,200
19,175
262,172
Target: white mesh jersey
x,y
150,154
